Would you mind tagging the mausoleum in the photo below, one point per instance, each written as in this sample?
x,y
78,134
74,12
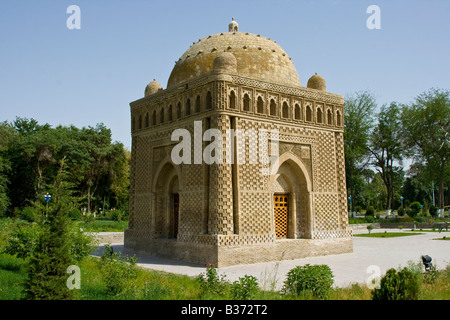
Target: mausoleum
x,y
236,162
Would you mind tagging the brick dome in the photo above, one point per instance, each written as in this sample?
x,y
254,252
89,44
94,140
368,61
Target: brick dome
x,y
225,62
257,57
317,82
152,87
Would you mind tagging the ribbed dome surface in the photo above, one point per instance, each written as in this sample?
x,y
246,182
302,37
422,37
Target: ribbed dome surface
x,y
257,57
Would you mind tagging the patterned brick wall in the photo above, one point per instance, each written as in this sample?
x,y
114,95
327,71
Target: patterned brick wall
x,y
211,212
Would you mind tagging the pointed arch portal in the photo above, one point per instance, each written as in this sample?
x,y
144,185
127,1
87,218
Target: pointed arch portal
x,y
291,189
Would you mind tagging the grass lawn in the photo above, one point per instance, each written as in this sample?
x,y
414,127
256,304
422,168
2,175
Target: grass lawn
x,y
386,234
103,226
157,285
443,238
428,230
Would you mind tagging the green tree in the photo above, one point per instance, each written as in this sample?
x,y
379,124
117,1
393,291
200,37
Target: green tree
x,y
417,186
358,120
50,259
385,148
6,139
91,158
426,127
30,155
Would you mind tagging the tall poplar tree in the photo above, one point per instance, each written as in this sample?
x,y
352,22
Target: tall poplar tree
x,y
358,121
386,150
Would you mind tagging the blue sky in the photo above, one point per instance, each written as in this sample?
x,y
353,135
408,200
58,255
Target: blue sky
x,y
87,76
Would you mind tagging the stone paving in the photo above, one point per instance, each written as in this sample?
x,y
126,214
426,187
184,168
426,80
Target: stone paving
x,y
383,253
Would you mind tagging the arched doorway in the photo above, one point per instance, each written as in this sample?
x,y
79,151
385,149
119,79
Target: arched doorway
x,y
167,202
291,189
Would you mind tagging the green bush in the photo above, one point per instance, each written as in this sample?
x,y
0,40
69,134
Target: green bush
x,y
433,211
245,288
431,275
369,219
370,211
415,206
211,282
358,209
117,272
29,214
410,212
82,244
116,215
11,263
318,279
401,211
401,285
22,240
75,214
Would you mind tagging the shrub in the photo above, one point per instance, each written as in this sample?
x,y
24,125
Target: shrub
x,y
358,209
433,211
370,211
22,240
245,288
82,244
401,285
411,213
318,279
415,206
401,211
370,228
431,275
75,214
369,219
29,214
116,215
211,282
11,263
117,274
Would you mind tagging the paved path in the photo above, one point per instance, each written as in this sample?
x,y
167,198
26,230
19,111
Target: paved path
x,y
383,253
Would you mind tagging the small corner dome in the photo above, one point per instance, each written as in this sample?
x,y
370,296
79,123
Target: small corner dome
x,y
152,87
225,62
317,82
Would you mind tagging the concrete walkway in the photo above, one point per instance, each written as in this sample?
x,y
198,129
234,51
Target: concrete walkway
x,y
379,254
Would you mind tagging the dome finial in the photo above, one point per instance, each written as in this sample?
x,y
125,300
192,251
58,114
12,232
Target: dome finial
x,y
233,26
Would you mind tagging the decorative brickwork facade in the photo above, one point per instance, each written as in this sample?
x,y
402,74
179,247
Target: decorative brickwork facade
x,y
225,213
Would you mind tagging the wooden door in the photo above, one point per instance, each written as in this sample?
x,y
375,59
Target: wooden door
x,y
281,209
176,209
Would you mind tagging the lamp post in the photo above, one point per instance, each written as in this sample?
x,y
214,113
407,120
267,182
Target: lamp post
x,y
350,212
401,199
47,198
